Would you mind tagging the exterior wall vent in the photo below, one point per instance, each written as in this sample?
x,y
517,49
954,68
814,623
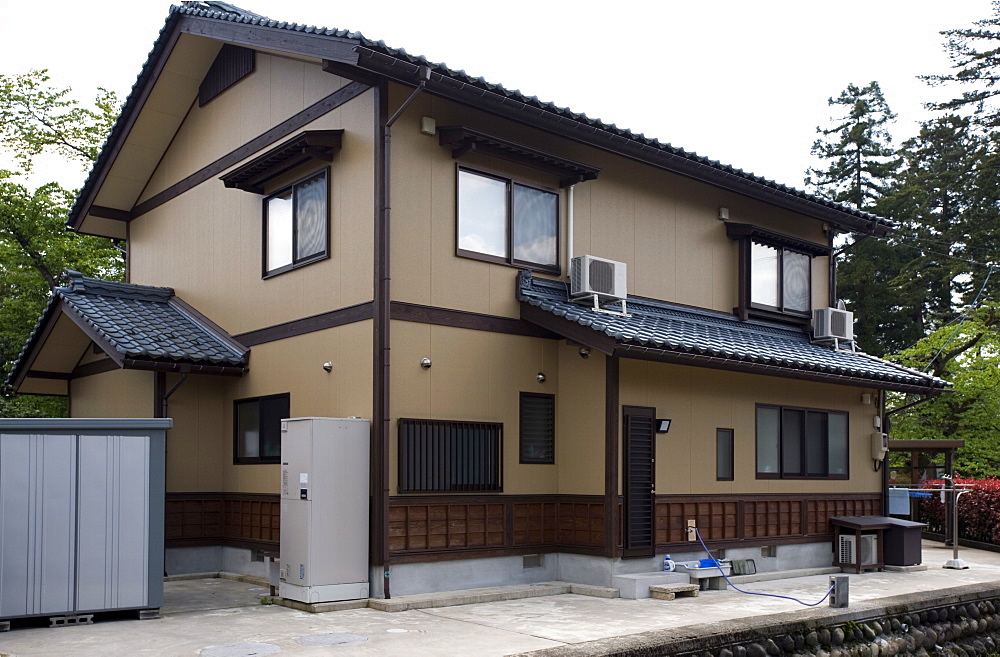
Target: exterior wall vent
x,y
590,275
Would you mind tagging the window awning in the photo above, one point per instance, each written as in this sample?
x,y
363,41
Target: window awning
x,y
306,146
665,332
462,141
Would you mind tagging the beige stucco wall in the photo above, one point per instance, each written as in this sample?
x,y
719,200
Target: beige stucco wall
x,y
665,227
474,376
207,242
701,400
200,446
118,393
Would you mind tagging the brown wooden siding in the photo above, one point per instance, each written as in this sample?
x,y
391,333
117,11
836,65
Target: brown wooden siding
x,y
452,526
456,526
222,518
732,519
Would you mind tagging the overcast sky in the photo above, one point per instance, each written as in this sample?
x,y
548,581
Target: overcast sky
x,y
744,82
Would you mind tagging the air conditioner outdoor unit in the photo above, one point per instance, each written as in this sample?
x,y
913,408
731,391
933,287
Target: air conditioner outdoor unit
x,y
832,323
847,552
590,276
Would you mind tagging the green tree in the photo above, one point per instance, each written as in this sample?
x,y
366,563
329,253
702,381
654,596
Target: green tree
x,y
35,247
966,354
975,62
857,148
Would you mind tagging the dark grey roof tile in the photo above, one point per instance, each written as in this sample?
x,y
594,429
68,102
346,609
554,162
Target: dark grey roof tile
x,y
673,328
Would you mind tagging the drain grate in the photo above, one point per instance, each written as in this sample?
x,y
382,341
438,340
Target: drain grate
x,y
240,650
333,639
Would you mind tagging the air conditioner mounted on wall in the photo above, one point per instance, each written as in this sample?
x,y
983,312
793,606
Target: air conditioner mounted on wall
x,y
590,275
832,323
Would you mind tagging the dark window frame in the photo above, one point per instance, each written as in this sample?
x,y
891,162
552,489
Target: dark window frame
x,y
719,475
509,260
746,235
408,455
551,437
265,234
254,460
803,446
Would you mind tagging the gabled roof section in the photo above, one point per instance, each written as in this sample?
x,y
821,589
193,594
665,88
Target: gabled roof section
x,y
138,327
228,23
677,334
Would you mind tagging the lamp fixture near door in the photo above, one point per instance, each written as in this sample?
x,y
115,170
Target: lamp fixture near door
x,y
663,425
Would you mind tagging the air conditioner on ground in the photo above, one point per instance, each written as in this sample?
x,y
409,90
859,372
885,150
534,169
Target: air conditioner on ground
x,y
590,276
847,551
832,323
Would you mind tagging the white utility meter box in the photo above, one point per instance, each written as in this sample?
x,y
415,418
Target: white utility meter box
x,y
324,509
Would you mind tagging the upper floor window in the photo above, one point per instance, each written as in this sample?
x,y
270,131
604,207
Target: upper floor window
x,y
779,278
297,224
507,222
775,273
801,443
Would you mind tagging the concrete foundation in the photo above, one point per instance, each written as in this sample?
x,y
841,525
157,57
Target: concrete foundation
x,y
458,574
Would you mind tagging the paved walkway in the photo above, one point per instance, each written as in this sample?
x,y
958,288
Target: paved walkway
x,y
208,617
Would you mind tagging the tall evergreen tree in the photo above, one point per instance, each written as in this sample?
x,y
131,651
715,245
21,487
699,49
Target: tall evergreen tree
x,y
857,148
975,59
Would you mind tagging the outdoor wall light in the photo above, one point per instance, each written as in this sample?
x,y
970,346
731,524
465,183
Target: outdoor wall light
x,y
584,352
541,377
328,367
663,426
425,363
723,214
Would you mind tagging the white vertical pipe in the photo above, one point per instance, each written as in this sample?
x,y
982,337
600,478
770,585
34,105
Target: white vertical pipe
x,y
569,229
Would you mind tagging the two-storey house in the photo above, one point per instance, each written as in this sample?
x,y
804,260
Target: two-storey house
x,y
320,225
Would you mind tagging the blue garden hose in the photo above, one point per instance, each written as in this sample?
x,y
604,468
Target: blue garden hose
x,y
769,595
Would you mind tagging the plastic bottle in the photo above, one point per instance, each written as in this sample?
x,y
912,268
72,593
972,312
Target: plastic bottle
x,y
668,564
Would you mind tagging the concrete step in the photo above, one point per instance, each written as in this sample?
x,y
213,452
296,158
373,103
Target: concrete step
x,y
469,596
671,591
635,586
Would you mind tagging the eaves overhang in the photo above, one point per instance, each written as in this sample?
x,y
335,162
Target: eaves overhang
x,y
664,332
226,23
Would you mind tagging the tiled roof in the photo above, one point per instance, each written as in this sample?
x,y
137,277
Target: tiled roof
x,y
666,328
139,322
216,10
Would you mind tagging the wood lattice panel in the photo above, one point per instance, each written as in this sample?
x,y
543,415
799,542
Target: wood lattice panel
x,y
772,518
445,526
581,524
535,523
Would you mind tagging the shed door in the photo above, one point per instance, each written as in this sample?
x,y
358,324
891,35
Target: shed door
x,y
639,483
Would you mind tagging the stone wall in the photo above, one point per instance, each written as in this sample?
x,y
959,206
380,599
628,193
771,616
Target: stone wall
x,y
962,622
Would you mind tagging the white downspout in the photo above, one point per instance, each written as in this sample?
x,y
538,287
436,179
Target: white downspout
x,y
569,230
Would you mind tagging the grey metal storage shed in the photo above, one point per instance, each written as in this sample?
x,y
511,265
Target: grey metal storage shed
x,y
81,515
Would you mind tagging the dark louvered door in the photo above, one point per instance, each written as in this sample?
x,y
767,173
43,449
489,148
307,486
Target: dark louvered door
x,y
639,447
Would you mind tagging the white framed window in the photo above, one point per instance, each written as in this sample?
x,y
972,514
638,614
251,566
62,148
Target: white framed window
x,y
780,279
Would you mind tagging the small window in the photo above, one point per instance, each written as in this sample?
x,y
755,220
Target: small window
x,y
780,279
440,456
297,225
801,443
507,222
538,428
724,455
257,428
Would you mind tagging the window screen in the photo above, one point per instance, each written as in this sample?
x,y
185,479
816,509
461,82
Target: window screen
x,y
538,428
438,456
